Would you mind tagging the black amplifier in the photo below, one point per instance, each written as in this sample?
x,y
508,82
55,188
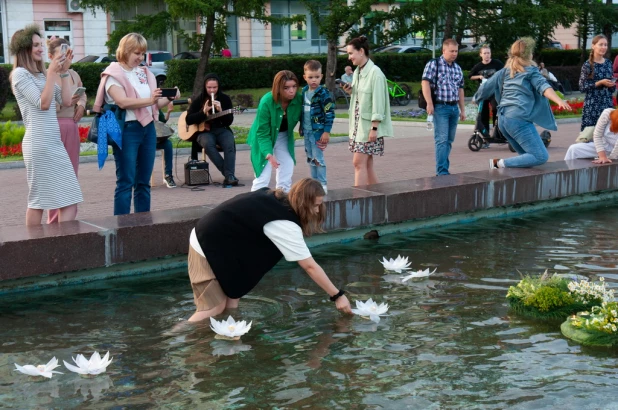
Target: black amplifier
x,y
196,173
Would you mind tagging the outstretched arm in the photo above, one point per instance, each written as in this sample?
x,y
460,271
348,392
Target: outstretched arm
x,y
317,274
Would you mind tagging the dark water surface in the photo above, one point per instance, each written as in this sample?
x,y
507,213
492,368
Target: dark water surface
x,y
449,342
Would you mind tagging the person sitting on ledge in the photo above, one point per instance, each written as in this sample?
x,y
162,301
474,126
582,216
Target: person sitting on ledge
x,y
219,134
605,138
265,226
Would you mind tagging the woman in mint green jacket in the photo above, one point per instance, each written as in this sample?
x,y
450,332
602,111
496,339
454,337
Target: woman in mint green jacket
x,y
370,114
272,133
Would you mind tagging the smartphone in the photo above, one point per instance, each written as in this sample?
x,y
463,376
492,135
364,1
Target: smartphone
x,y
64,48
168,92
80,91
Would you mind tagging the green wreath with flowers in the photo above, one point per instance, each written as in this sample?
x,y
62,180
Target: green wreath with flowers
x,y
598,327
555,296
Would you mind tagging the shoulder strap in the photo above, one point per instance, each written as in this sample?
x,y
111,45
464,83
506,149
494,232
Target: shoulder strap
x,y
435,79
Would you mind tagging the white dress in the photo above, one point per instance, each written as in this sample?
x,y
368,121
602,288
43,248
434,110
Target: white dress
x,y
51,178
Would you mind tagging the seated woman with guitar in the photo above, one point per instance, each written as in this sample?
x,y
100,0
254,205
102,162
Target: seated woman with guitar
x,y
215,132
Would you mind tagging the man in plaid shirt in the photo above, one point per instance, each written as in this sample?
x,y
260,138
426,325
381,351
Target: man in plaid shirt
x,y
446,79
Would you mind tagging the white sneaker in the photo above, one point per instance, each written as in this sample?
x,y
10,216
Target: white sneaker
x,y
325,189
493,163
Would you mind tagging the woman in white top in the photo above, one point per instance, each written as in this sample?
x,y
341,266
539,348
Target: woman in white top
x,y
604,145
68,117
133,88
52,183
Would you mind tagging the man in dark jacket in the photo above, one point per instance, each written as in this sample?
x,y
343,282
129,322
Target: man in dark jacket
x,y
220,136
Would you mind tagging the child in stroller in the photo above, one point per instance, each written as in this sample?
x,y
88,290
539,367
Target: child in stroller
x,y
481,137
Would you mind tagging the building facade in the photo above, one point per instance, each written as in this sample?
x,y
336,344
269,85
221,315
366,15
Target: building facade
x,y
88,32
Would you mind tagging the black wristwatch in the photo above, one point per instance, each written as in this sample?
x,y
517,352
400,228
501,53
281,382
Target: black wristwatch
x,y
335,297
374,128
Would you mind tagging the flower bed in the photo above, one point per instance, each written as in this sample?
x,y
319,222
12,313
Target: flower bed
x,y
576,106
555,296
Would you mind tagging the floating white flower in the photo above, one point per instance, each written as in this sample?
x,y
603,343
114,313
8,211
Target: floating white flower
x,y
40,370
418,274
395,265
229,329
370,309
89,368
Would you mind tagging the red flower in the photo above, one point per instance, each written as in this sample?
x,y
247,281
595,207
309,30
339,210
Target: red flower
x,y
83,133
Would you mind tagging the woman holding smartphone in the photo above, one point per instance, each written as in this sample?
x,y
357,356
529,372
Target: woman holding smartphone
x,y
52,183
596,80
132,88
68,117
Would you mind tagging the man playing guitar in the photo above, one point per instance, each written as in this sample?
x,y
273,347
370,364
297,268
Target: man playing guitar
x,y
219,134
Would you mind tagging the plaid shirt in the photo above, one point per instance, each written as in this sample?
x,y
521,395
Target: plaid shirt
x,y
448,81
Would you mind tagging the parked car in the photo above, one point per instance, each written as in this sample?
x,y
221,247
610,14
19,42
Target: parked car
x,y
188,55
554,44
469,48
157,58
103,58
404,49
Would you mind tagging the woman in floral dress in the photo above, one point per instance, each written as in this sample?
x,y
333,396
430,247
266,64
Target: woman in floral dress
x,y
596,80
370,114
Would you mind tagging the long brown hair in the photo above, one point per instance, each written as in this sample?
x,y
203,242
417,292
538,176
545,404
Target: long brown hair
x,y
520,55
595,40
21,48
279,83
302,198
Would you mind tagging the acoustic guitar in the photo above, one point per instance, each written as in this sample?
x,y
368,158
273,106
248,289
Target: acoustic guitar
x,y
189,132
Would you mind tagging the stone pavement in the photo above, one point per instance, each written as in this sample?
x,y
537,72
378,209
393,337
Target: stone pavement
x,y
409,154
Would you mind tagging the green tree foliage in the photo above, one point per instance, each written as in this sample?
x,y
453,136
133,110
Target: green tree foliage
x,y
334,18
207,11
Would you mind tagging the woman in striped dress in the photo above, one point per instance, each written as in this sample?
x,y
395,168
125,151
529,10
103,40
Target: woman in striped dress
x,y
52,183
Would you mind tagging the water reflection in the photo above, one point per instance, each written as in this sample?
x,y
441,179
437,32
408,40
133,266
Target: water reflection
x,y
449,341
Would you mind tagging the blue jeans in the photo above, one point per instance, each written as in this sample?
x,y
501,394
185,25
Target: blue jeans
x,y
168,154
134,164
526,141
315,156
445,119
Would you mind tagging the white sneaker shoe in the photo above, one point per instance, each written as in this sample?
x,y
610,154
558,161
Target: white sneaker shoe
x,y
325,189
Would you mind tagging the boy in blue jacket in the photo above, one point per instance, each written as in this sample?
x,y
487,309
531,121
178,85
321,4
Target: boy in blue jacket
x,y
316,120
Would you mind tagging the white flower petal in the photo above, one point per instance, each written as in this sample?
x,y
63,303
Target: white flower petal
x,y
75,369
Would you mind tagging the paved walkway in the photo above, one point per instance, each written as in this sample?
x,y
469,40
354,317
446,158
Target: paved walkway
x,y
409,154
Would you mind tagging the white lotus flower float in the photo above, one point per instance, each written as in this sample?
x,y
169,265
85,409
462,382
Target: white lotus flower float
x,y
89,368
396,265
229,329
41,371
370,310
418,274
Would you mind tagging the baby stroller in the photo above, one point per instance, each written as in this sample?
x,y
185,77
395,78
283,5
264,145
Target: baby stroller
x,y
481,135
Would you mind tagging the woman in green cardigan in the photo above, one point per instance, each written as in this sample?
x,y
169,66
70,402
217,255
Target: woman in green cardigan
x,y
272,134
370,113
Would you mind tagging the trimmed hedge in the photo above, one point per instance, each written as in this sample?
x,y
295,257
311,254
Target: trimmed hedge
x,y
258,72
90,73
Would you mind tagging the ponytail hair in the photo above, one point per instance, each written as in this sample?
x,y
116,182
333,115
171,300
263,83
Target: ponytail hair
x,y
520,55
595,40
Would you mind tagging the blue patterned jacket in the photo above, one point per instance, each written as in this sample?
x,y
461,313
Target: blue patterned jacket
x,y
322,110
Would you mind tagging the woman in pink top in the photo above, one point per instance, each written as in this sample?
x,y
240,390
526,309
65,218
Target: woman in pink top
x,y
68,117
133,88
